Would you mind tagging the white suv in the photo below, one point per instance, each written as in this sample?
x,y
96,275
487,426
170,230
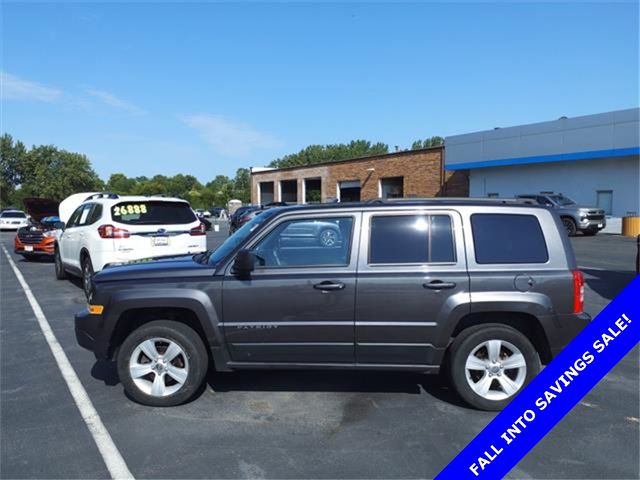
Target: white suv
x,y
107,228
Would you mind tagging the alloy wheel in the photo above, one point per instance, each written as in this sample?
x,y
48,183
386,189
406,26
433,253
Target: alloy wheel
x,y
328,238
496,369
159,367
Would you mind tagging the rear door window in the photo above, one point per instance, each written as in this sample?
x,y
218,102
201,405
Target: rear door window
x,y
73,219
153,213
508,238
411,239
85,214
95,214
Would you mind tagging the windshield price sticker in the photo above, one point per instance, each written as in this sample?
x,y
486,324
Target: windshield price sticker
x,y
131,209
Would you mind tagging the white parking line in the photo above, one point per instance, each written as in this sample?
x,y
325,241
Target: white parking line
x,y
108,450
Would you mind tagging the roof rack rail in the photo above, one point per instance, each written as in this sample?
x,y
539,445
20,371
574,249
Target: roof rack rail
x,y
400,201
102,195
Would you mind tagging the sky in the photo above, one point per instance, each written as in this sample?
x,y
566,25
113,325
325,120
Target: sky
x,y
206,88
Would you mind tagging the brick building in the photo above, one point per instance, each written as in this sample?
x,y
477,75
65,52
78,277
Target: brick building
x,y
415,173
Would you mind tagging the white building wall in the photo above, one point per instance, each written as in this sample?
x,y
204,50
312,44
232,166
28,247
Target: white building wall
x,y
619,130
579,180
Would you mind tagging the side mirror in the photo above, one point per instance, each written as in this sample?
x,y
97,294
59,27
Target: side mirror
x,y
59,225
245,263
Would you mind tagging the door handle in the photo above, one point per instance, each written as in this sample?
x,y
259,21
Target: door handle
x,y
328,285
439,285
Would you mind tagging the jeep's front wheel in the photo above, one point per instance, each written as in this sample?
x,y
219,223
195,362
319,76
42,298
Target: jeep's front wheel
x,y
491,364
162,363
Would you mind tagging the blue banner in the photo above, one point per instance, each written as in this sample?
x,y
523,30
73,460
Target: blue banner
x,y
555,391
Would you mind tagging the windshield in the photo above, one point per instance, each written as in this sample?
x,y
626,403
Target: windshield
x,y
231,243
561,200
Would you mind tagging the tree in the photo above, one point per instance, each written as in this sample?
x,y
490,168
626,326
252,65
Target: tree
x,y
435,141
331,153
242,185
11,158
122,185
46,171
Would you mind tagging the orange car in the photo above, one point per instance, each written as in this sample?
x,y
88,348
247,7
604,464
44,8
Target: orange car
x,y
39,238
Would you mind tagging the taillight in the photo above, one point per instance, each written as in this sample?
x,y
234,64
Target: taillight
x,y
578,291
109,231
199,230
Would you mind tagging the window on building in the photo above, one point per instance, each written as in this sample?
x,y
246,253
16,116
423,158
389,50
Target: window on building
x,y
413,239
266,192
392,187
507,238
349,191
312,190
289,191
493,195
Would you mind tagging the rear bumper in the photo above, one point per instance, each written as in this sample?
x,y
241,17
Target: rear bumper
x,y
88,334
567,327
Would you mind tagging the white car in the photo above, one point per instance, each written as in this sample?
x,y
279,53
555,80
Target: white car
x,y
106,228
13,220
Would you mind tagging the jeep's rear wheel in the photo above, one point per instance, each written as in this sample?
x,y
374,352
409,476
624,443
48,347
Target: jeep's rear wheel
x,y
60,272
162,363
491,364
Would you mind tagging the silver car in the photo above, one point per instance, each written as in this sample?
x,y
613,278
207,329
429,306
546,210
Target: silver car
x,y
575,218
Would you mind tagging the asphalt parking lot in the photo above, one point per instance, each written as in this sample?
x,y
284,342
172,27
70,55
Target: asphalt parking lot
x,y
285,424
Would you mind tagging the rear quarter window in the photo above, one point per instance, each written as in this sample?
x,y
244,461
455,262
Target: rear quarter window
x,y
508,238
152,213
411,239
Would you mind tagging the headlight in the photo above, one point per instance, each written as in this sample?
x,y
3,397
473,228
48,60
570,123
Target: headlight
x,y
50,233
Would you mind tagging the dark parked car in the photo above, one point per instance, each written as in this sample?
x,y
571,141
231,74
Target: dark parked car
x,y
241,216
217,212
488,290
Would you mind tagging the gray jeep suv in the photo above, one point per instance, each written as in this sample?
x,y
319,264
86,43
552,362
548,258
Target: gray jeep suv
x,y
484,290
575,218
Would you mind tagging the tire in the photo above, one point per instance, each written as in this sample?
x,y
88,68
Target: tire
x,y
328,237
59,267
500,384
87,274
189,365
570,226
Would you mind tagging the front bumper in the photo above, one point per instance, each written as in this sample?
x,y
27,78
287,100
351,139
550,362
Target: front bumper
x,y
88,334
5,227
567,327
592,224
44,247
